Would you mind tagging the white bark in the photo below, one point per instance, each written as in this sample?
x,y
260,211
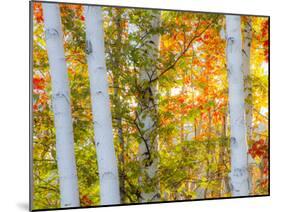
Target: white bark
x,y
69,192
107,164
239,166
148,147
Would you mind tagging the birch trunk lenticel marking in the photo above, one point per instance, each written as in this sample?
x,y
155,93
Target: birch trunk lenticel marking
x,y
239,148
107,163
69,193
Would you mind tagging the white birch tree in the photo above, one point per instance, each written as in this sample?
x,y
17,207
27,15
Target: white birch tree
x,y
117,68
239,148
107,164
69,193
247,43
247,74
149,146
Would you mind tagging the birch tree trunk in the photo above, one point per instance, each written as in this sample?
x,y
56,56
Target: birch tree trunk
x,y
247,75
148,148
117,68
239,148
69,193
107,163
248,90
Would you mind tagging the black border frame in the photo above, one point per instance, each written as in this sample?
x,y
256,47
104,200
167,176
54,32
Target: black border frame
x,y
31,108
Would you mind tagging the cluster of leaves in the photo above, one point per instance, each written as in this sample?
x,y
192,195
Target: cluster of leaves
x,y
259,151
